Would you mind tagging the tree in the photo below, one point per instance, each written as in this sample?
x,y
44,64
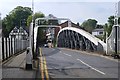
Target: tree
x,y
41,36
99,26
35,16
89,25
105,30
111,23
17,17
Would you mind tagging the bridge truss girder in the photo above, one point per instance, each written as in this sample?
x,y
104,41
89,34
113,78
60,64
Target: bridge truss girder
x,y
74,40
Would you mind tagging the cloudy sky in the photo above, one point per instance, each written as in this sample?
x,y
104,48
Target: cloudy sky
x,y
76,10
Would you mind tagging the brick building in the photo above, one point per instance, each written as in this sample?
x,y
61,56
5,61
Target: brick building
x,y
65,24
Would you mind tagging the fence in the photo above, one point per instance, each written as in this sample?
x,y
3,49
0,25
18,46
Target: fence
x,y
111,41
11,46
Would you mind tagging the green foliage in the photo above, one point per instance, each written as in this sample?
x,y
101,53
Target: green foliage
x,y
17,17
89,25
105,29
6,26
35,16
111,20
99,26
41,37
109,25
29,20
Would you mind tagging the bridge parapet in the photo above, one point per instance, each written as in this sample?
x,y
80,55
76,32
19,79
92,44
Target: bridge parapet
x,y
11,46
113,41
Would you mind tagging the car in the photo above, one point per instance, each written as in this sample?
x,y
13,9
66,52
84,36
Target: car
x,y
45,45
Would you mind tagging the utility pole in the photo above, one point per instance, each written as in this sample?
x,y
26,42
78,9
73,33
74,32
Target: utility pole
x,y
0,22
1,48
34,53
29,54
116,30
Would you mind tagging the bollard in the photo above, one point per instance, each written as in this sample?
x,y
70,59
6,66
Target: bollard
x,y
28,60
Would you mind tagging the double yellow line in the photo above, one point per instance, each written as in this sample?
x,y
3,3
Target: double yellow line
x,y
43,67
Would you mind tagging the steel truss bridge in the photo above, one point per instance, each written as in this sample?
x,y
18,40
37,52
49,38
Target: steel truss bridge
x,y
74,38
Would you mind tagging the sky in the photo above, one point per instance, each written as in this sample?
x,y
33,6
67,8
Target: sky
x,y
75,10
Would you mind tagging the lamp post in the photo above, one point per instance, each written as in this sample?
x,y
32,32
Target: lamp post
x,y
0,48
29,49
116,30
0,24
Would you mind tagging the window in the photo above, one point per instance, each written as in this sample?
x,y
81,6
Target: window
x,y
100,32
15,31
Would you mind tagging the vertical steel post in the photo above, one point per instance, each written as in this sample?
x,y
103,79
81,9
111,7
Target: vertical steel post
x,y
6,47
106,43
9,47
116,39
3,54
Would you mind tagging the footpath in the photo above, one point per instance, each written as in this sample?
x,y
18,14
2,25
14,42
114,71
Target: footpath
x,y
14,69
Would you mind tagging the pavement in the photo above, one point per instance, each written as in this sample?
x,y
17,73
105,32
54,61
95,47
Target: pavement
x,y
14,69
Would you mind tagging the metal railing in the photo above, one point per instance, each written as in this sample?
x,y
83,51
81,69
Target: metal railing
x,y
12,46
111,41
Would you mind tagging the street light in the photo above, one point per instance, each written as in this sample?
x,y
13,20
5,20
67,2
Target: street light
x,y
0,22
29,49
0,35
116,29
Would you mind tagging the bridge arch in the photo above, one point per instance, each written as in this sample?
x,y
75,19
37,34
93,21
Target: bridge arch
x,y
74,38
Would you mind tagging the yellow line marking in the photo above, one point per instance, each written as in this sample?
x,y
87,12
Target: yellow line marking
x,y
41,65
46,70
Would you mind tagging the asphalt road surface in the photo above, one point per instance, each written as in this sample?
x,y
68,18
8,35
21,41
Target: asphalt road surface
x,y
64,63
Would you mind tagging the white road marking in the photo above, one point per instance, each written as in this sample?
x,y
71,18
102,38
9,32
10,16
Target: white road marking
x,y
60,51
83,52
54,67
91,67
67,54
51,74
